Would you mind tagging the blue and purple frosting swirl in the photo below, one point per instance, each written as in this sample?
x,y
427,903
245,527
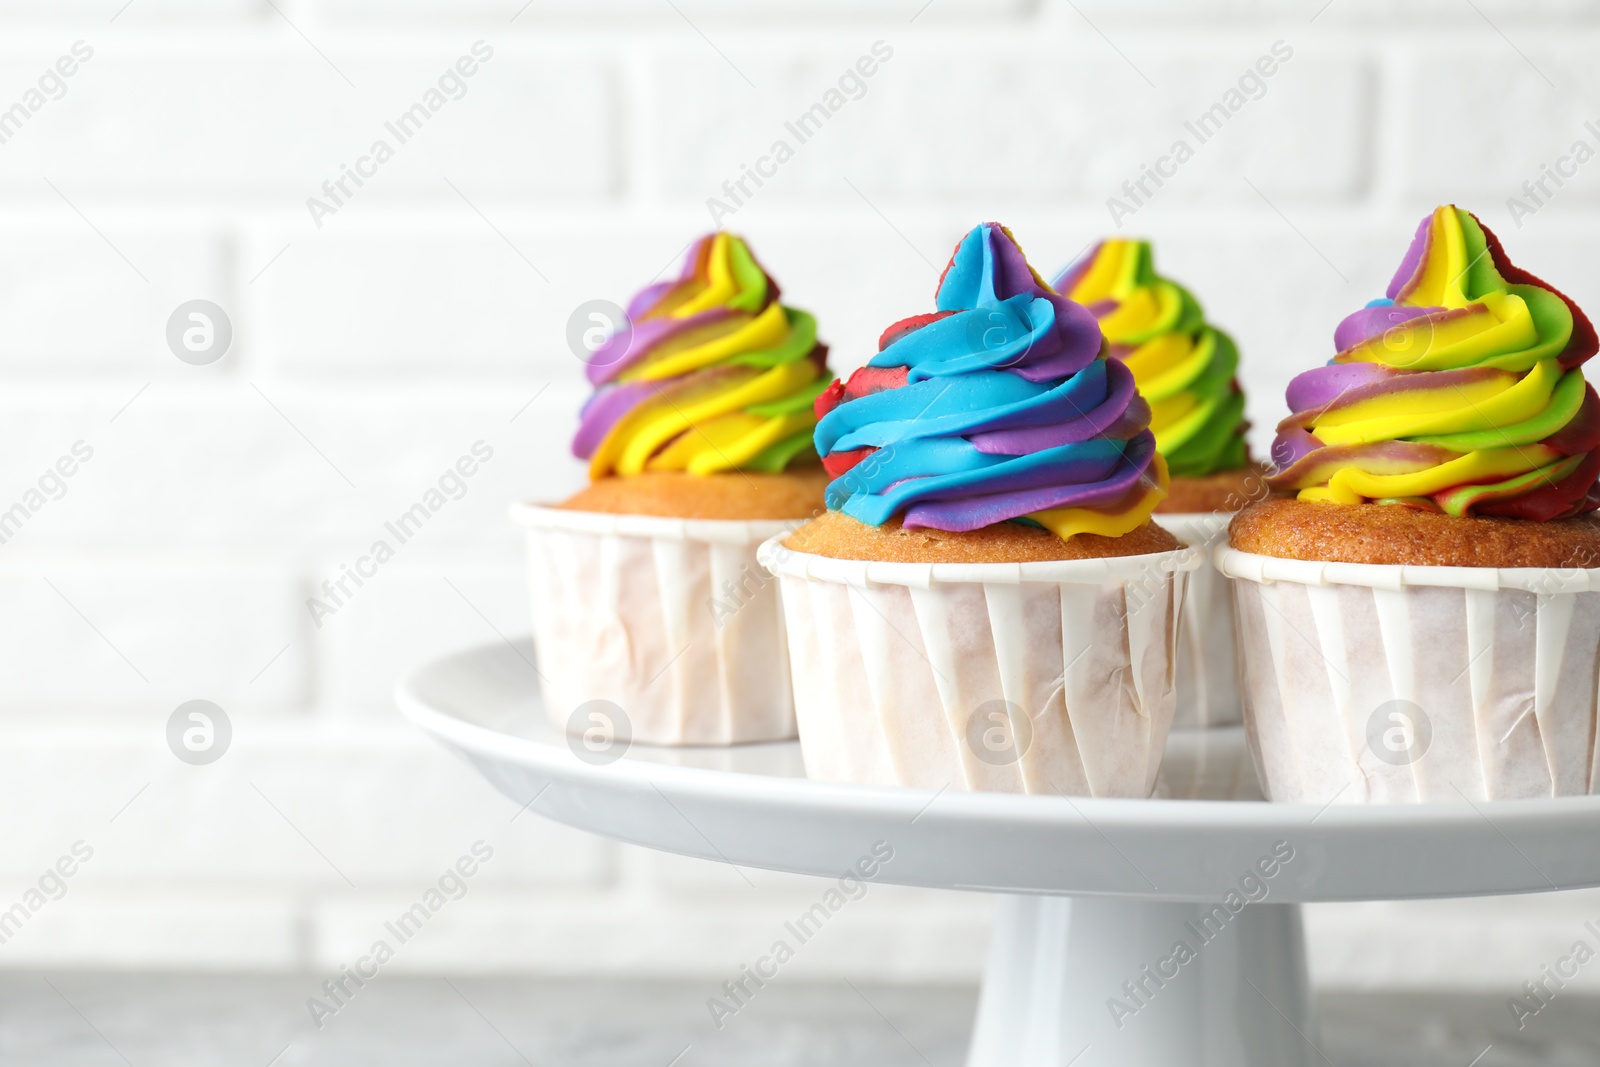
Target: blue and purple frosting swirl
x,y
999,406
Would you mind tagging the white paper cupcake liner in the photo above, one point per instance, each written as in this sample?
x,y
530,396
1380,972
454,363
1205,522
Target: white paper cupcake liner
x,y
1208,652
671,620
1027,678
1401,684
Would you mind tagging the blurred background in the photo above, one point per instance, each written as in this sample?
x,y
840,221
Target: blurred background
x,y
380,330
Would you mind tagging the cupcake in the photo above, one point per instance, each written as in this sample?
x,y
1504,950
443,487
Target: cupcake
x,y
1417,621
1185,368
986,604
651,616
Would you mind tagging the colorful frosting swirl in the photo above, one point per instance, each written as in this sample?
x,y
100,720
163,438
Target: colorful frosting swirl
x,y
711,373
1460,392
1001,405
1183,367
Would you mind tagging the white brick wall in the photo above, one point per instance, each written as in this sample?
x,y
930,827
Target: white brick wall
x,y
430,309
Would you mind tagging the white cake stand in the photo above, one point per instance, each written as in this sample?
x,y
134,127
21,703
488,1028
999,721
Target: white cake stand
x,y
1084,968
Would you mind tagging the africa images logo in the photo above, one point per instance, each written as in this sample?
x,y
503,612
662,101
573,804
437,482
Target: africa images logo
x,y
1399,732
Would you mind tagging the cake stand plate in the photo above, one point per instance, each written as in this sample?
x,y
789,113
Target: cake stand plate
x,y
1134,933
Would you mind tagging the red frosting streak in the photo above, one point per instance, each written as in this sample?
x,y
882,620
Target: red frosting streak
x,y
1582,431
1572,495
836,463
1583,342
869,380
899,329
828,399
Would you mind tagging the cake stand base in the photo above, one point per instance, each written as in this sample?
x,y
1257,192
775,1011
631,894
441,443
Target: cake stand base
x,y
1098,961
1100,982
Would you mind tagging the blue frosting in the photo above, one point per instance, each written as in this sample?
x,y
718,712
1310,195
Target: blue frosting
x,y
1009,406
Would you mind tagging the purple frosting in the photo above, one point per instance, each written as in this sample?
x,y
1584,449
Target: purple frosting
x,y
646,298
1292,444
1373,322
1076,270
606,408
1321,386
1408,266
973,512
603,411
634,342
1097,422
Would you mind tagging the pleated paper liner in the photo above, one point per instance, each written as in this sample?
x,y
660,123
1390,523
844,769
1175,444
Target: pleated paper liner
x,y
672,621
1208,687
1049,678
1402,684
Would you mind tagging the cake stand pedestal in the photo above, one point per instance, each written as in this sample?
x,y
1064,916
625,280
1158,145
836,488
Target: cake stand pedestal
x,y
1054,990
1131,933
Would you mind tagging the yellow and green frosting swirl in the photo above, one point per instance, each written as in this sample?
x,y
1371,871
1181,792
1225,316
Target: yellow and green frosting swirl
x,y
1460,391
1182,365
710,373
